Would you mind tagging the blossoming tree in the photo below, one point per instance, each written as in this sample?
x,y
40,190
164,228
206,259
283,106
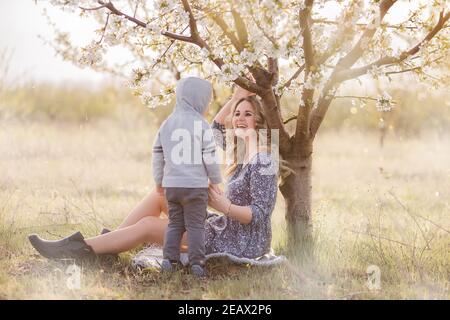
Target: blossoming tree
x,y
305,47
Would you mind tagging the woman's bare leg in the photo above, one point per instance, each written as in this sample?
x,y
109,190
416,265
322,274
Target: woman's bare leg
x,y
147,230
152,205
142,225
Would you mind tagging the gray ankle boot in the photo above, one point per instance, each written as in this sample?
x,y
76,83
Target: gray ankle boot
x,y
72,246
104,231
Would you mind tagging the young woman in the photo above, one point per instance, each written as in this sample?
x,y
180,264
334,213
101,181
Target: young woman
x,y
244,226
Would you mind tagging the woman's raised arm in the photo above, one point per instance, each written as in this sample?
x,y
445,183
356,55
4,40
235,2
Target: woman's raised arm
x,y
238,94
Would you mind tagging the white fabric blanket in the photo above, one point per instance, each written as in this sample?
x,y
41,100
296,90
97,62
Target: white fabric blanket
x,y
152,256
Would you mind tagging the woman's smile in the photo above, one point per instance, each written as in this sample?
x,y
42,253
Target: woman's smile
x,y
243,119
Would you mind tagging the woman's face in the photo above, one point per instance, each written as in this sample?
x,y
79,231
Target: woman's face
x,y
243,118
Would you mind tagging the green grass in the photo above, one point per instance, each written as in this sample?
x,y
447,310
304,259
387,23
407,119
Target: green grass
x,y
387,208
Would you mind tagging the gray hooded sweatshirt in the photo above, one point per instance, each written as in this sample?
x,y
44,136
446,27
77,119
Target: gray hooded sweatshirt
x,y
184,151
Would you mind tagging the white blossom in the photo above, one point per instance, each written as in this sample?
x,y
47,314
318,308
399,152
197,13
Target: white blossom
x,y
66,5
231,71
148,100
313,80
375,19
92,54
365,41
154,100
164,6
247,57
154,28
268,4
275,35
385,102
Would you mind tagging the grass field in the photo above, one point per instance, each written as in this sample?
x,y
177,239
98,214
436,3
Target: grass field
x,y
389,208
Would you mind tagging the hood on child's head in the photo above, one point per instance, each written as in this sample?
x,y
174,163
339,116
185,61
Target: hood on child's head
x,y
193,93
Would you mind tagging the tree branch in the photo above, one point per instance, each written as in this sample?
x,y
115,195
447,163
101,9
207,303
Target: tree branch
x,y
340,76
268,36
178,37
363,25
403,71
348,60
248,85
356,72
290,119
305,25
343,33
355,97
165,51
304,112
104,29
318,114
136,9
273,117
115,11
294,76
240,27
192,22
273,69
194,39
92,9
240,81
227,31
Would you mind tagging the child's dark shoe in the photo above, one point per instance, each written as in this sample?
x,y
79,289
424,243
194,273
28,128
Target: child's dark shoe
x,y
198,271
169,266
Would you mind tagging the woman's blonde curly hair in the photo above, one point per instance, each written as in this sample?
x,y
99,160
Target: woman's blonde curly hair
x,y
237,153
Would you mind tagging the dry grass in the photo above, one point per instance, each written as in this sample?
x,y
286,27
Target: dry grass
x,y
388,208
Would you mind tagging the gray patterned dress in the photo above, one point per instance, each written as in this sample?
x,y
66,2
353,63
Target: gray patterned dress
x,y
253,185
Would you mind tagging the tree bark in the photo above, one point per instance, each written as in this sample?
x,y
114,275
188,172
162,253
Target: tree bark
x,y
295,188
296,191
272,113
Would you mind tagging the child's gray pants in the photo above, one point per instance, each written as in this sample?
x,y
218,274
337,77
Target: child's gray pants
x,y
187,212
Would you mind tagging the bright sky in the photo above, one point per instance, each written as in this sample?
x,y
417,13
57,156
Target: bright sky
x,y
21,22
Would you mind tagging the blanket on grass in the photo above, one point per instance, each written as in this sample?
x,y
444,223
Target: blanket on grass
x,y
152,256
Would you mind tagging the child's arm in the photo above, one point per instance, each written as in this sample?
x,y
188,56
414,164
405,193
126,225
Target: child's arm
x,y
210,158
158,162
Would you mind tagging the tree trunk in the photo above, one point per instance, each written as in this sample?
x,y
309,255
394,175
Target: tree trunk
x,y
296,188
296,191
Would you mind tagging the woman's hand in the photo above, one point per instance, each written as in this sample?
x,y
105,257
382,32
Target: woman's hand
x,y
160,191
240,93
217,200
216,188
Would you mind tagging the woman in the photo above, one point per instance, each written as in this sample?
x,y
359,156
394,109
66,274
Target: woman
x,y
243,229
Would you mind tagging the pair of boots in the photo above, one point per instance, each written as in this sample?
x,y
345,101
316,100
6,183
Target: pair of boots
x,y
73,247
